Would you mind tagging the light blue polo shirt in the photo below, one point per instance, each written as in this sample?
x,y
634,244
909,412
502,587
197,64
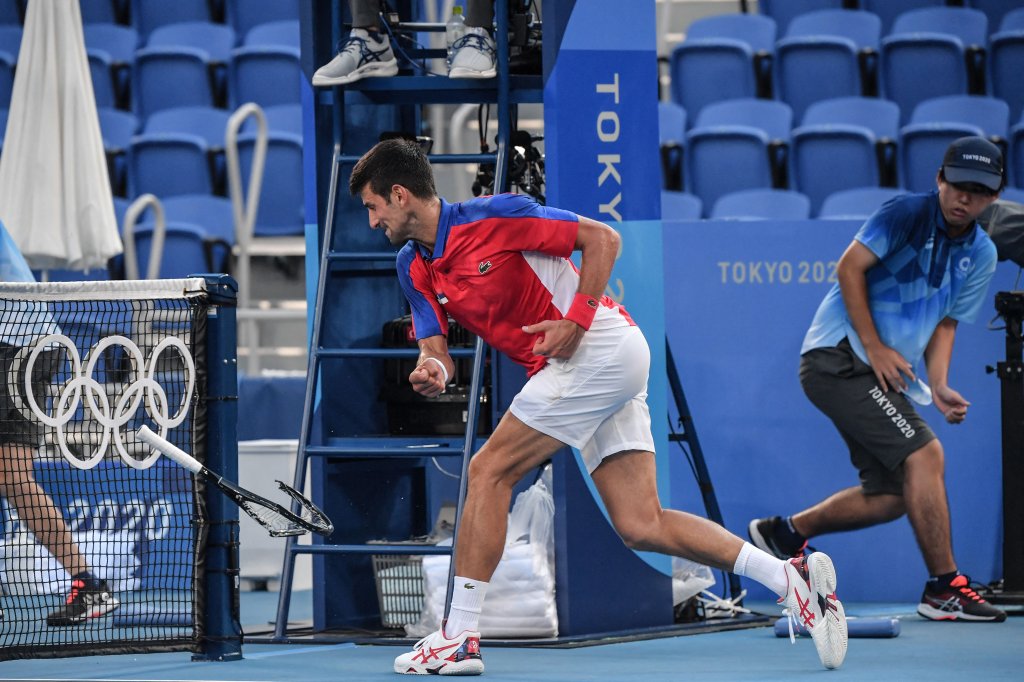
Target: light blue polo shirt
x,y
922,276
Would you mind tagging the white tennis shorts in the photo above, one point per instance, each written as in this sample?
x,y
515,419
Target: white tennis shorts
x,y
597,400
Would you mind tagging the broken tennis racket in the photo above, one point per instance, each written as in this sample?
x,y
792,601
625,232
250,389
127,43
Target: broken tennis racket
x,y
277,519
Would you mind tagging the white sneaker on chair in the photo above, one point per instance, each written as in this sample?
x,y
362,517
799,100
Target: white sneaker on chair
x,y
435,654
360,56
811,601
473,55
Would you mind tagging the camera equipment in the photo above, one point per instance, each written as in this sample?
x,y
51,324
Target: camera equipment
x,y
525,168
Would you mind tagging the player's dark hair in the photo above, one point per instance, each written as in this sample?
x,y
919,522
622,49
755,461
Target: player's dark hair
x,y
394,162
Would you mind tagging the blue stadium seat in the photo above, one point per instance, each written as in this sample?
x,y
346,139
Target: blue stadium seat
x,y
680,206
111,50
995,10
216,40
148,15
737,144
7,65
10,39
11,12
843,143
935,40
169,164
209,123
243,15
762,204
1012,194
284,33
671,138
783,11
937,122
856,203
988,113
212,213
1006,61
156,67
185,250
1016,154
99,11
117,127
888,10
282,204
720,59
827,54
264,75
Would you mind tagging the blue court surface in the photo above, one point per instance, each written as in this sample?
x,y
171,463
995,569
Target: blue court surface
x,y
924,650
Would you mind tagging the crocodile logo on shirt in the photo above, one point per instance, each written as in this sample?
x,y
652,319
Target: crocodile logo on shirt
x,y
484,266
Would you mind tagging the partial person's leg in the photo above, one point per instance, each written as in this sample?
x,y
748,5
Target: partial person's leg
x,y
848,509
628,486
36,509
806,585
366,52
924,490
365,13
480,13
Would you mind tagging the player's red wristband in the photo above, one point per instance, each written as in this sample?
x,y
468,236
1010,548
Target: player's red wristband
x,y
582,310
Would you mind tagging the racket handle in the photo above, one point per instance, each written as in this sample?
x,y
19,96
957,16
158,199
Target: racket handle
x,y
180,456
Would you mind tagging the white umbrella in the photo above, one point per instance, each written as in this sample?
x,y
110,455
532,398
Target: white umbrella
x,y
55,195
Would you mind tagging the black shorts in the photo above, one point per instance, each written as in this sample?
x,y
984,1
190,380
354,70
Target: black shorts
x,y
15,426
881,429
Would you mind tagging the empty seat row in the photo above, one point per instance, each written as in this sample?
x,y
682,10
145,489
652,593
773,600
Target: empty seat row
x,y
784,11
181,151
840,143
778,204
839,52
202,62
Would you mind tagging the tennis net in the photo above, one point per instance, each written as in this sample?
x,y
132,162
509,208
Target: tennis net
x,y
102,540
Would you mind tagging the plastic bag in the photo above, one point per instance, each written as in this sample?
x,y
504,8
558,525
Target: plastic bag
x,y
689,578
521,597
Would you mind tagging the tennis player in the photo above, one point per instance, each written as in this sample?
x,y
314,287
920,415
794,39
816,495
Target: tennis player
x,y
19,439
500,266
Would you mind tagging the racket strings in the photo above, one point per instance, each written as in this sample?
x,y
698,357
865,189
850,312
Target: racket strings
x,y
277,523
309,513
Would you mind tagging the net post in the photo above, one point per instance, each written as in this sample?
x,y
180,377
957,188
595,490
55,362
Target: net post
x,y
222,640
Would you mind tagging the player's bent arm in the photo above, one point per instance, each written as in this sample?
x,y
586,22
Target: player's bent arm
x,y
853,284
599,246
434,368
939,352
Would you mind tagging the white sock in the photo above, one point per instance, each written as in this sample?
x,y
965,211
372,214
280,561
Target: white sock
x,y
467,602
763,567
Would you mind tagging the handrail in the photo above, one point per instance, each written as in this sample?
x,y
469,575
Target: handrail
x,y
245,214
156,247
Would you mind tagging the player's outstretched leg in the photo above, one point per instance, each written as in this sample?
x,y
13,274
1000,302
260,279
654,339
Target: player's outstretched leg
x,y
811,600
435,654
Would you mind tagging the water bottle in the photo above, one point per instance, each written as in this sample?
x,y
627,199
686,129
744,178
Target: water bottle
x,y
454,29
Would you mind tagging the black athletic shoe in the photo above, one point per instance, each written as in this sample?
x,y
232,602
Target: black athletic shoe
x,y
763,534
83,603
958,602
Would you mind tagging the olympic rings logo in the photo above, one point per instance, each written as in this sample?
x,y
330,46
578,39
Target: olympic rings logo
x,y
81,388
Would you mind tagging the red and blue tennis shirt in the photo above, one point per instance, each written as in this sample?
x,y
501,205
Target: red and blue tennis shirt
x,y
499,263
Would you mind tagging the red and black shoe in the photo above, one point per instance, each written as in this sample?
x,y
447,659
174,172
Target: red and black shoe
x,y
84,602
958,601
811,602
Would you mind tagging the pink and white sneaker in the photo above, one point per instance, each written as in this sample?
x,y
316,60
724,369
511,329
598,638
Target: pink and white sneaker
x,y
811,601
435,654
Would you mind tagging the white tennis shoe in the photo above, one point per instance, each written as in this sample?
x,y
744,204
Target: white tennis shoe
x,y
435,654
811,601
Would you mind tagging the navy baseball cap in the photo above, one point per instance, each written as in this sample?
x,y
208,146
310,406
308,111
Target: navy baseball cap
x,y
974,159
